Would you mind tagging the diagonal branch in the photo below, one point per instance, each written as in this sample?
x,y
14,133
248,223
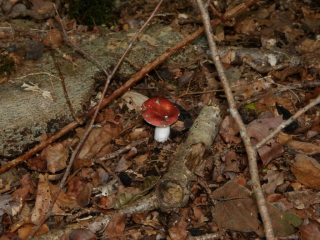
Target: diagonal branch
x,y
252,154
288,122
86,134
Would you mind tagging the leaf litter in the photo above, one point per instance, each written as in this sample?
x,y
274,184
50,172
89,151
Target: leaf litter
x,y
288,163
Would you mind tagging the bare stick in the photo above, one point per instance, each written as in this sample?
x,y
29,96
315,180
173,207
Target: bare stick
x,y
133,80
79,49
288,122
314,83
122,150
252,154
86,134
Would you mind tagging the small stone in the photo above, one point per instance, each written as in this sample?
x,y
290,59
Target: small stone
x,y
34,50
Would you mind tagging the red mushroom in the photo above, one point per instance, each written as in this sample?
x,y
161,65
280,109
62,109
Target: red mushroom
x,y
160,113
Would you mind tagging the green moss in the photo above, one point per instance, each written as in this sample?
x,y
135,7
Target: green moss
x,y
94,12
7,65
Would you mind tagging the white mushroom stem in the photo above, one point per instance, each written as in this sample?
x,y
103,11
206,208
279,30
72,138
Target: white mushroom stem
x,y
161,134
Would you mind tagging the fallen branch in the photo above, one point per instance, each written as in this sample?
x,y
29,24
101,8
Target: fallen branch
x,y
173,190
252,154
89,128
312,103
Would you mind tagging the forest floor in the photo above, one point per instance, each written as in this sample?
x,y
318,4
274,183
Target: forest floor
x,y
123,184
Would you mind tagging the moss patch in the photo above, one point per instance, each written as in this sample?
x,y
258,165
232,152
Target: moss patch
x,y
7,65
94,12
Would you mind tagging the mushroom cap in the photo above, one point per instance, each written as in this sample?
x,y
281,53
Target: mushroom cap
x,y
159,112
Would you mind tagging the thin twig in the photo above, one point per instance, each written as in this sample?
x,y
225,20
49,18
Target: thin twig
x,y
252,154
288,122
65,90
86,134
314,83
217,12
79,49
122,150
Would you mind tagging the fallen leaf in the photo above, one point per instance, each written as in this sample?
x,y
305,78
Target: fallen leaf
x,y
27,188
228,130
258,130
132,96
310,231
56,156
236,209
275,179
301,147
42,201
307,171
116,226
28,228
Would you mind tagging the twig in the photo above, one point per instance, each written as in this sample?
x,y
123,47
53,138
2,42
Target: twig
x,y
314,83
133,80
252,154
65,91
79,49
217,12
288,122
86,134
122,150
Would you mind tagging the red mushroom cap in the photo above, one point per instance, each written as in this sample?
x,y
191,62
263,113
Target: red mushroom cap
x,y
159,112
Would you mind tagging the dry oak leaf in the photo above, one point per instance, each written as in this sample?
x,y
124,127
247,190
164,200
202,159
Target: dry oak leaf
x,y
116,226
56,156
43,200
275,178
310,231
236,209
258,130
301,147
228,130
307,171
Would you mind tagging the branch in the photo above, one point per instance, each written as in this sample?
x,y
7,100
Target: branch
x,y
86,134
252,154
288,122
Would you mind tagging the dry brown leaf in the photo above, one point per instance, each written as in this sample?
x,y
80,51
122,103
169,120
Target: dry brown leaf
x,y
310,231
307,171
81,190
150,219
141,159
116,226
56,156
27,229
275,178
258,130
228,130
27,187
64,202
236,209
43,199
301,147
179,231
